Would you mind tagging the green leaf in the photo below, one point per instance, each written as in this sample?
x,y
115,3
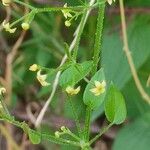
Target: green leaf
x,y
115,108
134,136
88,97
136,106
34,136
75,73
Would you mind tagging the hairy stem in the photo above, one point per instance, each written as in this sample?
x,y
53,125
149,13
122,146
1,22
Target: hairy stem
x,y
100,134
25,128
98,37
87,123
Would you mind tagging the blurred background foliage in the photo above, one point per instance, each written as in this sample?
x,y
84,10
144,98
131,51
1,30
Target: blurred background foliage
x,y
44,45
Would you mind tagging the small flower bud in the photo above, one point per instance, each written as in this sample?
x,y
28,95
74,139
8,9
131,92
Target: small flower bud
x,y
57,134
25,25
2,90
63,128
67,23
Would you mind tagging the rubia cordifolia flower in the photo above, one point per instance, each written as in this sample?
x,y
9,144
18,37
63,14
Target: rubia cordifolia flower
x,y
110,1
42,78
7,27
34,67
67,15
6,2
66,12
99,88
72,91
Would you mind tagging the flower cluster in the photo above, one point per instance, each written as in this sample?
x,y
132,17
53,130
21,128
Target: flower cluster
x,y
67,15
40,77
64,130
100,88
7,26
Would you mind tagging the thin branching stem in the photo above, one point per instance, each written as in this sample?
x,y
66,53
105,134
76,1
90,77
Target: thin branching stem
x,y
127,51
26,128
105,129
24,4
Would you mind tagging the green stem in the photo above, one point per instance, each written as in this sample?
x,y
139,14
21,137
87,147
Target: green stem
x,y
25,128
87,123
49,9
76,8
75,116
24,4
100,134
19,20
74,136
81,27
98,37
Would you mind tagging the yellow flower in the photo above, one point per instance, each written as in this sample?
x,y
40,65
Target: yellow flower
x,y
66,12
7,27
42,79
110,1
2,90
6,2
99,88
25,26
34,67
72,91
